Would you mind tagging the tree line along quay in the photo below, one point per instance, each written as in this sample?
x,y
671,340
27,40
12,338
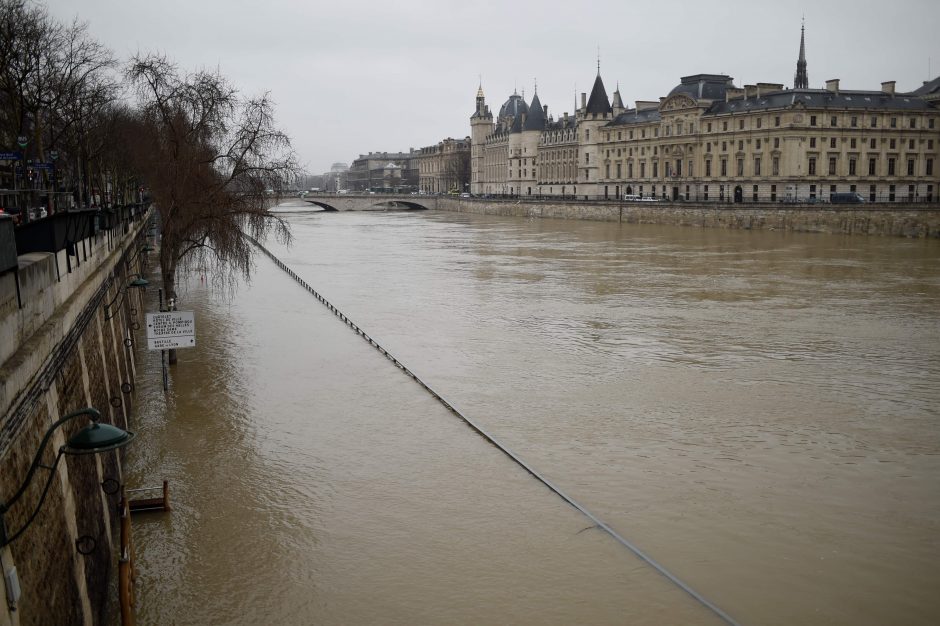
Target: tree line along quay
x,y
115,170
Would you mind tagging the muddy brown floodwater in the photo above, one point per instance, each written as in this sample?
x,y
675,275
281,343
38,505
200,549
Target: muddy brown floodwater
x,y
757,411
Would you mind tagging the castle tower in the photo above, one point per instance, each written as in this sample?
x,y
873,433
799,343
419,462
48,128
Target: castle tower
x,y
532,129
481,126
591,117
801,80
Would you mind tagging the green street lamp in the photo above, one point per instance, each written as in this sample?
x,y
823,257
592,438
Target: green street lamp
x,y
94,438
139,282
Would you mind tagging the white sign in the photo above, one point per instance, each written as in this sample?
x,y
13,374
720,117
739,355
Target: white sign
x,y
171,329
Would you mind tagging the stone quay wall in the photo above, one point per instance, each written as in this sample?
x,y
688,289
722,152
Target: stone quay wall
x,y
58,354
894,220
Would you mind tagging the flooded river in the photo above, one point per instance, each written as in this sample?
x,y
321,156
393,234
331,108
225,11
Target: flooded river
x,y
756,411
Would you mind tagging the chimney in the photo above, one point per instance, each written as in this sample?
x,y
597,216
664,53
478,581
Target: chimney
x,y
733,93
545,110
750,91
832,85
566,118
583,100
888,87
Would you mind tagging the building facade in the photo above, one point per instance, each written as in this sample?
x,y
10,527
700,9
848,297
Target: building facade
x,y
708,140
383,172
444,167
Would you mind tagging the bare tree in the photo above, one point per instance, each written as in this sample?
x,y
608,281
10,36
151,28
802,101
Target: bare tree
x,y
214,162
457,170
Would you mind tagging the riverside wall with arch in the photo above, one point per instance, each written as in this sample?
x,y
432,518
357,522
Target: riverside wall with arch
x,y
67,328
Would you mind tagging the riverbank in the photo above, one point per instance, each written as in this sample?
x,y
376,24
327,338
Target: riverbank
x,y
891,220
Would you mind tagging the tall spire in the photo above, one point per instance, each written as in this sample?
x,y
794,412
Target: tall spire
x,y
801,80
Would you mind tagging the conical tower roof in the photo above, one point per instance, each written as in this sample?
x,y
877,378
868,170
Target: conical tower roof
x,y
598,102
535,120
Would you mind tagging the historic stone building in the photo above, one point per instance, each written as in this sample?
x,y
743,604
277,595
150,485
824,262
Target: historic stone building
x,y
383,171
444,167
708,140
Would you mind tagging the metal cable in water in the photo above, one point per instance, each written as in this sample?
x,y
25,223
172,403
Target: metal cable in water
x,y
519,461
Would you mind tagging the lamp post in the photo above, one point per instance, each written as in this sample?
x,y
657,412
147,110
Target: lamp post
x,y
138,283
94,438
53,156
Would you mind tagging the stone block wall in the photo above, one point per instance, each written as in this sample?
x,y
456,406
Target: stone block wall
x,y
895,220
65,356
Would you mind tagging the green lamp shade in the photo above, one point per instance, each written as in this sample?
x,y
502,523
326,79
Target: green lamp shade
x,y
97,438
138,282
147,248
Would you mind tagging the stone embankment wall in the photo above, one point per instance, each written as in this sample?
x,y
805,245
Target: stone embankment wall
x,y
870,219
63,349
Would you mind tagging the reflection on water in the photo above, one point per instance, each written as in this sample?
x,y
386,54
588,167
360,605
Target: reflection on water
x,y
756,410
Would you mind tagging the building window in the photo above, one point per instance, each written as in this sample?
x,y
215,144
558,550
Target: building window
x,y
619,135
740,167
910,167
757,166
688,168
852,143
894,122
618,170
773,193
812,166
777,120
812,191
930,123
724,146
832,190
874,121
643,170
587,157
832,143
812,120
871,193
708,168
587,135
854,121
755,193
851,167
890,193
893,144
832,166
891,167
758,145
655,169
812,142
740,144
710,126
910,193
872,144
708,147
910,144
913,122
776,142
656,132
629,170
833,120
759,120
929,167
740,124
607,170
872,166
724,167
776,166
724,125
705,192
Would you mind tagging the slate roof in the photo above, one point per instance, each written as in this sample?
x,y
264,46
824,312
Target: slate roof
x,y
632,116
931,87
514,106
821,98
535,120
704,86
598,102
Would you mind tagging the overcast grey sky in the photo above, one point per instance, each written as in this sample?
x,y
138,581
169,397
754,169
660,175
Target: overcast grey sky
x,y
355,77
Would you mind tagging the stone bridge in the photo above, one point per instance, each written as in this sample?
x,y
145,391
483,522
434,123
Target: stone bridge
x,y
382,202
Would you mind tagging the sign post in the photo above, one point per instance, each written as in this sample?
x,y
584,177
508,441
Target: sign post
x,y
171,329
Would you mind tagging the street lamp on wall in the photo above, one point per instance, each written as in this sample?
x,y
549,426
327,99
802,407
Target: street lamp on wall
x,y
138,283
94,438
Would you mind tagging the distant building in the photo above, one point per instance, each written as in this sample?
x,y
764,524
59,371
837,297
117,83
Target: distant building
x,y
335,179
383,171
444,167
708,140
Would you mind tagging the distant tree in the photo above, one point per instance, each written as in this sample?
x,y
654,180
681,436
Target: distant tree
x,y
214,163
457,170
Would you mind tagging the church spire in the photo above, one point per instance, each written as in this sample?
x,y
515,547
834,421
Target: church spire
x,y
801,80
